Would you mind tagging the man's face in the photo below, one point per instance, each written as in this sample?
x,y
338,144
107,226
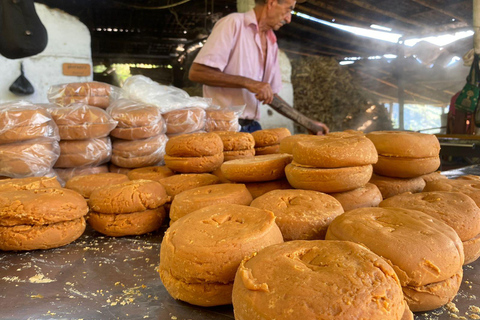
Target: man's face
x,y
280,13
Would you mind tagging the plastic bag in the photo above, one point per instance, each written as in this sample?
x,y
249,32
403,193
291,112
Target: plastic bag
x,y
80,153
68,173
136,120
22,120
79,121
166,98
97,94
139,153
223,119
30,158
185,120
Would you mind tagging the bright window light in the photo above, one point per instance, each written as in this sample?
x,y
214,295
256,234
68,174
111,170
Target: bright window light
x,y
379,35
343,63
376,26
441,40
390,56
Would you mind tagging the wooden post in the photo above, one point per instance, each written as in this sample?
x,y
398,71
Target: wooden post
x,y
476,26
401,84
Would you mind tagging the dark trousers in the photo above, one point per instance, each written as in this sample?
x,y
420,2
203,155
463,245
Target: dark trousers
x,y
249,125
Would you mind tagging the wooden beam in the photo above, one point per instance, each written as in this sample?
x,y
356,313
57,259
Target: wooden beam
x,y
368,44
301,53
395,86
344,51
387,13
438,9
352,15
379,94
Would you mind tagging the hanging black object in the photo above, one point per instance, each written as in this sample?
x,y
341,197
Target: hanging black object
x,y
22,34
21,86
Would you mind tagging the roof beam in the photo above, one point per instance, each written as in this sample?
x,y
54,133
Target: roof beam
x,y
390,14
438,9
353,15
395,86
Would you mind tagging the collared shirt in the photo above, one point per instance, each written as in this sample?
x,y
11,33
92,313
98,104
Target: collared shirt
x,y
234,47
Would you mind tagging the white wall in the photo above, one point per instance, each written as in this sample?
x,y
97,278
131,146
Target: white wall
x,y
68,42
269,118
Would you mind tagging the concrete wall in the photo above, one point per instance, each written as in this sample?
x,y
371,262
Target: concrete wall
x,y
68,42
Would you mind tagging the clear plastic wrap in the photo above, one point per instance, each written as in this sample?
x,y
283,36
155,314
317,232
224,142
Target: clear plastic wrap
x,y
22,120
139,153
30,158
93,93
79,121
223,119
68,173
166,98
136,120
80,153
185,120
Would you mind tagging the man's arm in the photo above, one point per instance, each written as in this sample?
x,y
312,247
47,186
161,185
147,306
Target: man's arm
x,y
216,78
282,107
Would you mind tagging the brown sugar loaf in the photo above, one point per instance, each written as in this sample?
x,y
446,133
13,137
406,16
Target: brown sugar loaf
x,y
68,173
41,218
127,197
390,187
300,214
469,187
197,198
267,141
236,141
28,183
457,210
115,169
79,153
136,120
201,252
427,255
127,224
203,164
335,151
259,168
133,114
28,158
366,196
405,154
80,121
257,189
468,177
327,180
38,237
237,145
437,175
326,280
40,206
155,173
287,143
194,145
185,120
86,184
93,93
221,120
180,182
139,153
24,121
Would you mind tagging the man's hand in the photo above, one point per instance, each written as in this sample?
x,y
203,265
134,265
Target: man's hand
x,y
263,91
324,128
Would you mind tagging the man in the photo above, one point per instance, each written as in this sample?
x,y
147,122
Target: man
x,y
238,64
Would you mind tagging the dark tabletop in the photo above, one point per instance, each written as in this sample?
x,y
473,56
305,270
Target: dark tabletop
x,y
99,277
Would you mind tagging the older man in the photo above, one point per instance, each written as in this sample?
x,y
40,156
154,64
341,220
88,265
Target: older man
x,y
239,62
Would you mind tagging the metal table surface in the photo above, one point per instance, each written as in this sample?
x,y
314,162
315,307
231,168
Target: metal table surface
x,y
99,277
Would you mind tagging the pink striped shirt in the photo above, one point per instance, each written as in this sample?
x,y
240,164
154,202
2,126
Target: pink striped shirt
x,y
234,47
